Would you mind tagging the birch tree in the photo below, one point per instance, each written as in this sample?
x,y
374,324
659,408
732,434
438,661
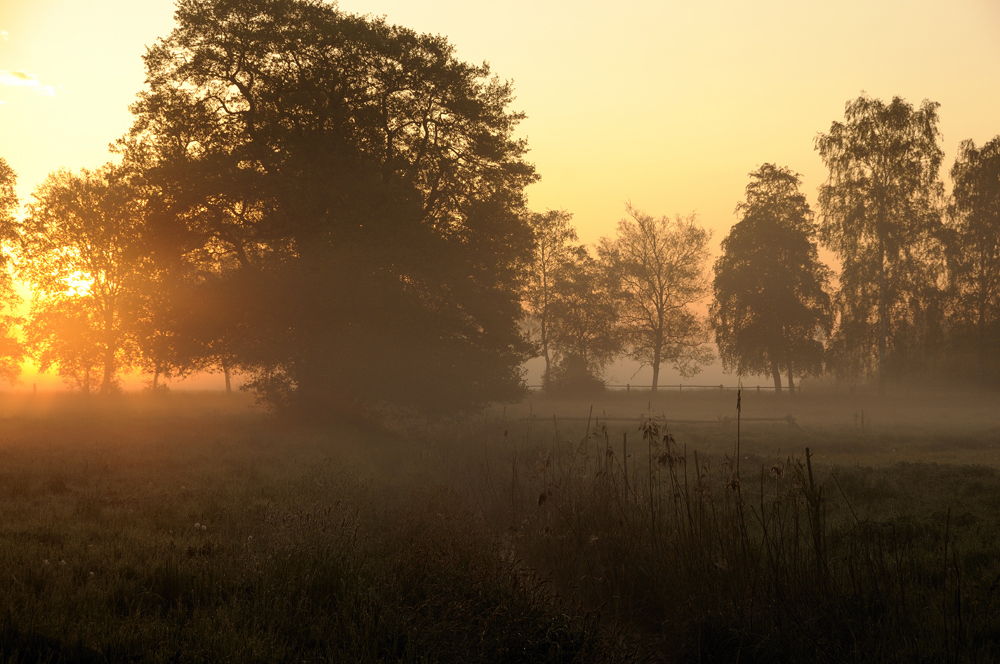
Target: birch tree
x,y
880,212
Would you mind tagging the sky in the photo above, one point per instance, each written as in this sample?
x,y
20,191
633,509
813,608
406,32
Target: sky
x,y
665,104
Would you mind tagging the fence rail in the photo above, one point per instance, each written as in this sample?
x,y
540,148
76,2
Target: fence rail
x,y
680,387
787,419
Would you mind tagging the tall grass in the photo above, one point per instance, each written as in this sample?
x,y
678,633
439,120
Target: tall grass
x,y
728,557
223,535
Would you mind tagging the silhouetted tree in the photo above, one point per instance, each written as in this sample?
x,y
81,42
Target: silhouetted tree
x,y
349,192
553,250
80,256
11,349
974,251
880,212
658,269
583,324
154,329
771,303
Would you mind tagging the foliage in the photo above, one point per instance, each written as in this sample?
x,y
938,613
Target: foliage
x,y
353,189
880,212
11,349
974,252
81,256
583,324
771,303
552,250
65,333
8,202
657,267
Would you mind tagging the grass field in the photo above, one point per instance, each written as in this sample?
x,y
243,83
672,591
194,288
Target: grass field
x,y
187,527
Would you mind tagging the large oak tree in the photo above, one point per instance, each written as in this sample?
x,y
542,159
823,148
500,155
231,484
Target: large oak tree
x,y
342,200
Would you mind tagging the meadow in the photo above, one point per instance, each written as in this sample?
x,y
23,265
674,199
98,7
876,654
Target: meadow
x,y
193,527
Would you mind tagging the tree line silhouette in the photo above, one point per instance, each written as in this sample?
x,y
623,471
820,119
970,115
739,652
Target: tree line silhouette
x,y
334,208
917,294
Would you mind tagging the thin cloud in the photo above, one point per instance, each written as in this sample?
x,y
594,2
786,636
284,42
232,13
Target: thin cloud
x,y
4,35
23,79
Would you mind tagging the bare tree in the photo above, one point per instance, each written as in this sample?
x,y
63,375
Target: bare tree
x,y
658,267
553,250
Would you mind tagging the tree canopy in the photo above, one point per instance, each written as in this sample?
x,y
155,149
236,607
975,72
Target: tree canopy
x,y
81,257
771,309
880,212
347,195
974,251
11,348
583,324
552,251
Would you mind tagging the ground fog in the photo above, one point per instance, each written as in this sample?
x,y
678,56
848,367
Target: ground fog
x,y
615,527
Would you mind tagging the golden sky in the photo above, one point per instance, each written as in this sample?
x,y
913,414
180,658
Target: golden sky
x,y
663,103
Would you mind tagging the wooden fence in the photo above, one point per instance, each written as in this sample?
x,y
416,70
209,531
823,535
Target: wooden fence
x,y
680,387
787,419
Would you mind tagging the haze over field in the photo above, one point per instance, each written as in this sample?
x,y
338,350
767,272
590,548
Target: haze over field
x,y
373,232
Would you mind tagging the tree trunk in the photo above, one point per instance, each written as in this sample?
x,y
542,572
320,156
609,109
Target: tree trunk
x,y
156,379
791,380
656,366
982,343
109,350
225,372
545,353
881,312
776,373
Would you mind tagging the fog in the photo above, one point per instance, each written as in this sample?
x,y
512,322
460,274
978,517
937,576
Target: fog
x,y
307,372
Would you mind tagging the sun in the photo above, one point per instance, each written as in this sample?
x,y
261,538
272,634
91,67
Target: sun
x,y
78,284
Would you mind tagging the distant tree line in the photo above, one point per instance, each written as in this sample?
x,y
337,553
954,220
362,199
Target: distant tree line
x,y
333,207
917,294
